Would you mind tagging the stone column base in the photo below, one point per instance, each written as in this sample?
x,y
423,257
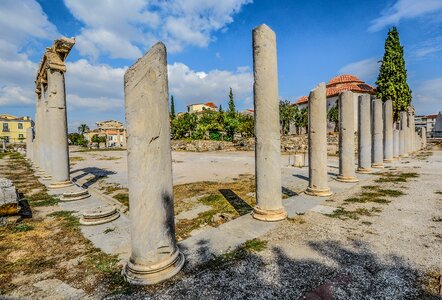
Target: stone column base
x,y
269,215
377,165
60,184
346,178
318,192
403,155
99,216
389,160
46,178
147,275
74,196
364,170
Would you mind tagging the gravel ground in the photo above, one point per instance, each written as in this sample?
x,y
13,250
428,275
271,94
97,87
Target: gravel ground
x,y
391,254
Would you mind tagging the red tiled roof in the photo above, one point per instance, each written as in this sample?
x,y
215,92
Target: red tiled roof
x,y
211,104
357,88
345,78
301,100
431,116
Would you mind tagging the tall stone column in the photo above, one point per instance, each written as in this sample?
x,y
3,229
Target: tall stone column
x,y
424,137
377,137
46,138
43,159
155,255
395,142
388,131
403,135
267,136
36,144
317,143
29,142
58,133
364,134
346,138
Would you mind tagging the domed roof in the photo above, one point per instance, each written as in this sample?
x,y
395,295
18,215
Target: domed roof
x,y
345,78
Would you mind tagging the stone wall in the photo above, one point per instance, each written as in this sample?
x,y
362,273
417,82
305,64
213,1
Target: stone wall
x,y
289,143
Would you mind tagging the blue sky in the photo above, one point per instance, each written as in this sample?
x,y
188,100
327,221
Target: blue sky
x,y
209,48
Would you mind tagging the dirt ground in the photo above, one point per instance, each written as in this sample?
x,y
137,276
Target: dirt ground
x,y
382,242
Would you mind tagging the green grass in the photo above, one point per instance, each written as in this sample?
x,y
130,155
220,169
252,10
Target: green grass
x,y
123,198
343,214
70,221
374,193
108,230
396,177
438,192
22,228
42,199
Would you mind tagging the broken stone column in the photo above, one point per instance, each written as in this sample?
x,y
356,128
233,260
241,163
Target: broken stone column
x,y
29,142
403,134
364,134
377,136
58,134
395,142
346,138
317,143
411,130
8,198
388,131
267,137
154,255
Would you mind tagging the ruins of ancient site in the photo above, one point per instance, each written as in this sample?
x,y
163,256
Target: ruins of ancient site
x,y
221,150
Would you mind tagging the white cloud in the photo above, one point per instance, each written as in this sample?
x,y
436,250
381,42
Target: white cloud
x,y
427,97
21,23
125,31
405,9
366,69
188,86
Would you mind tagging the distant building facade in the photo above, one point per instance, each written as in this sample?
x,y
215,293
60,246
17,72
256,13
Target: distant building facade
x,y
200,107
114,132
13,129
337,85
428,122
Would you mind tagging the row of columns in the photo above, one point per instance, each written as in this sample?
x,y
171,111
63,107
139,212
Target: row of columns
x,y
154,252
47,142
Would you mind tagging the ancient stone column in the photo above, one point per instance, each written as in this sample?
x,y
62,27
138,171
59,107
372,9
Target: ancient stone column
x,y
155,255
43,159
346,138
377,136
364,134
395,142
267,136
410,143
58,133
46,139
317,143
36,144
388,131
403,134
424,137
29,142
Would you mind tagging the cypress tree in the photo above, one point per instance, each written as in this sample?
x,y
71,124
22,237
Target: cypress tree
x,y
172,107
392,79
220,109
231,110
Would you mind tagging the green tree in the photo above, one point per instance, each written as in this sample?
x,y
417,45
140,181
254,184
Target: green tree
x,y
392,79
220,109
286,115
83,128
232,110
172,108
99,139
246,125
301,119
183,126
333,115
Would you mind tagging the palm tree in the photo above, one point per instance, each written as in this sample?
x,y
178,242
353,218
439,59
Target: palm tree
x,y
83,128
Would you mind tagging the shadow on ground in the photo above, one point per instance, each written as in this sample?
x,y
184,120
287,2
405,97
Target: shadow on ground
x,y
355,273
241,206
96,172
